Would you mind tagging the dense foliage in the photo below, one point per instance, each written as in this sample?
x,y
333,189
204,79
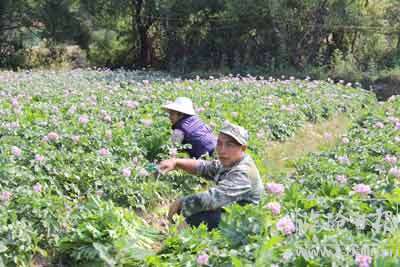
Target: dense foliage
x,y
78,151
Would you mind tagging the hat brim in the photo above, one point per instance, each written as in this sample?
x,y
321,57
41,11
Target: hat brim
x,y
240,142
174,107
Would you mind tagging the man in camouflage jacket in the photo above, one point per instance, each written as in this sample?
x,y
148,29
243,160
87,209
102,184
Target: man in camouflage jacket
x,y
235,174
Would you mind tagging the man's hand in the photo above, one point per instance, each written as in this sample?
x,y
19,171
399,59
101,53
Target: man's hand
x,y
188,165
174,208
167,165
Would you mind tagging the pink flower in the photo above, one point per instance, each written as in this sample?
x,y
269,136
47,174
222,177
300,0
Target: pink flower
x,y
200,110
131,104
395,172
5,196
104,152
120,125
13,125
126,172
202,259
14,102
109,134
83,119
260,134
147,122
52,136
391,159
107,118
362,189
275,207
345,140
363,260
393,119
143,172
16,151
342,179
327,136
286,226
37,188
344,160
173,152
275,188
75,138
71,110
379,125
39,158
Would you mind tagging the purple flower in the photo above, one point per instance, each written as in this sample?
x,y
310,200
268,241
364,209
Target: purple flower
x,y
202,259
5,196
126,172
363,260
275,207
37,188
16,151
286,226
342,179
395,172
344,160
275,188
104,152
362,189
397,125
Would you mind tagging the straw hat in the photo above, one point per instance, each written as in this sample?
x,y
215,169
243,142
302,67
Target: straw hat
x,y
181,104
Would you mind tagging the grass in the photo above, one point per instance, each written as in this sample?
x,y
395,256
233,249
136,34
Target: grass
x,y
312,138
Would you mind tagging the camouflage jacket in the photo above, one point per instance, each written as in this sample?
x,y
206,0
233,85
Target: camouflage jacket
x,y
240,182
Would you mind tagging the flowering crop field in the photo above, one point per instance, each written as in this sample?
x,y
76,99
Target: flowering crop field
x,y
78,155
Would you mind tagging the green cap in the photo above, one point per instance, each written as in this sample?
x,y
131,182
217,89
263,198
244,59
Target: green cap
x,y
237,132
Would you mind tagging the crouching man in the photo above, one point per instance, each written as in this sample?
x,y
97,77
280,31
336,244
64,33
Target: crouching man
x,y
235,174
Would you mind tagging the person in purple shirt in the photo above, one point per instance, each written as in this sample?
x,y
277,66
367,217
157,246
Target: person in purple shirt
x,y
189,129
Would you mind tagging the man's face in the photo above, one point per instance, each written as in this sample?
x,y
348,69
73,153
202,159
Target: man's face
x,y
174,116
229,151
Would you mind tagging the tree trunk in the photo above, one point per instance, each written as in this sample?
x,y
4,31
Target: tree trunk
x,y
142,29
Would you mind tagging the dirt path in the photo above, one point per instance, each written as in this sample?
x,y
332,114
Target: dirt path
x,y
279,156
